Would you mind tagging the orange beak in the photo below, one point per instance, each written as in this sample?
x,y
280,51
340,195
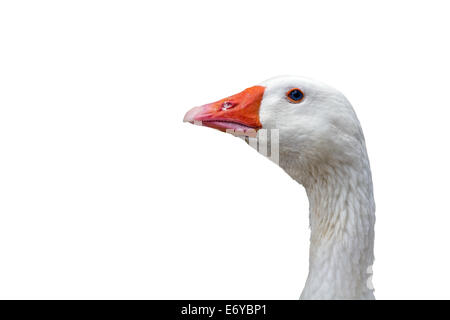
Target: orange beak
x,y
236,114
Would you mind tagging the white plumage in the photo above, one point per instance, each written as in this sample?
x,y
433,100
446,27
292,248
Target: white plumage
x,y
322,147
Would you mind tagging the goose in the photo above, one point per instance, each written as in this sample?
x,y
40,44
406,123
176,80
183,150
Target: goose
x,y
319,143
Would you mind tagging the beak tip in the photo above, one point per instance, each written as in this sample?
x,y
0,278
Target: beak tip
x,y
191,114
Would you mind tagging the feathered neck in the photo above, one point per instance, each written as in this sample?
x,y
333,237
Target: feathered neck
x,y
342,217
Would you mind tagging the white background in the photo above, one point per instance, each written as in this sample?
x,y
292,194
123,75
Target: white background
x,y
105,193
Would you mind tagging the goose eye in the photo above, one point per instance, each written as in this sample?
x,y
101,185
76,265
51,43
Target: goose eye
x,y
295,95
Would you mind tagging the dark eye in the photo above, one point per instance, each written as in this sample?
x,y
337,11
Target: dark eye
x,y
295,95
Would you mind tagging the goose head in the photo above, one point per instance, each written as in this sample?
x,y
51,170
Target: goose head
x,y
319,142
315,124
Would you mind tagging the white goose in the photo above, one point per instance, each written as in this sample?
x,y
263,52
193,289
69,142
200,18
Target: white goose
x,y
322,147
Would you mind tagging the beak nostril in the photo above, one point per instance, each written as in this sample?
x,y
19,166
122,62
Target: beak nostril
x,y
227,105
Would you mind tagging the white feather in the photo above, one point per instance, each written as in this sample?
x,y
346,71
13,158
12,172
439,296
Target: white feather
x,y
321,145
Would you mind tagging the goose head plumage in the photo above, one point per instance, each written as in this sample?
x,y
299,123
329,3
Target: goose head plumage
x,y
314,134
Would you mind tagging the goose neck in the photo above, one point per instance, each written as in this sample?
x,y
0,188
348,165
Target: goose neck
x,y
342,234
